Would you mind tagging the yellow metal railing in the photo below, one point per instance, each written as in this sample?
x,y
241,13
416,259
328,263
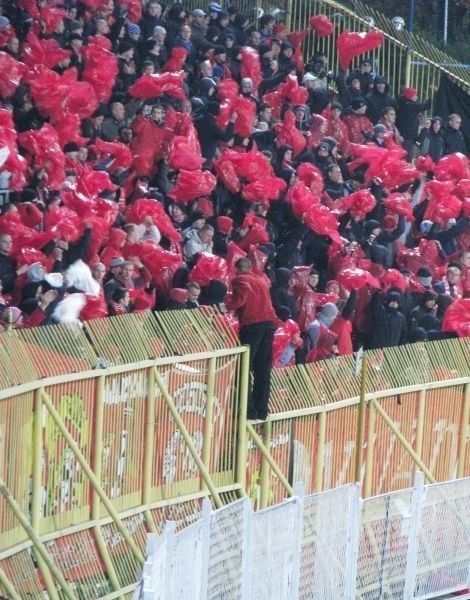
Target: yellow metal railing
x,y
103,438
405,59
416,415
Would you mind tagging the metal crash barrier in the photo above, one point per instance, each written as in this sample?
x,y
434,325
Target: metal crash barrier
x,y
110,430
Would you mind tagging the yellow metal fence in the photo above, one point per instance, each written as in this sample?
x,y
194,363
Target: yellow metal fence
x,y
109,430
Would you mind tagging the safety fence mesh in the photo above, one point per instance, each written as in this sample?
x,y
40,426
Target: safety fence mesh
x,y
407,545
325,544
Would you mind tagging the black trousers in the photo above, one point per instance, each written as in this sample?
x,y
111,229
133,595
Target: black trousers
x,y
259,336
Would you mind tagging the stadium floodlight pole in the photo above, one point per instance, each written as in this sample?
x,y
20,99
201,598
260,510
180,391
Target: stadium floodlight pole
x,y
446,21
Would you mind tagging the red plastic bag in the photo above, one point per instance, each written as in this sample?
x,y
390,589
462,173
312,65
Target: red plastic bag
x,y
28,256
101,69
291,92
134,9
462,189
95,308
307,309
425,163
119,151
11,73
288,332
264,190
301,199
227,89
227,174
252,165
192,184
453,167
258,259
209,267
288,134
185,152
177,57
457,318
234,252
322,25
251,65
359,204
311,176
68,129
51,18
92,183
146,207
162,266
246,112
296,38
319,219
399,204
351,44
392,171
44,52
354,279
257,234
152,86
68,229
393,278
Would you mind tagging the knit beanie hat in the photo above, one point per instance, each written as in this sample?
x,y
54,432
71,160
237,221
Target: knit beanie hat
x,y
370,225
393,297
410,93
133,29
358,103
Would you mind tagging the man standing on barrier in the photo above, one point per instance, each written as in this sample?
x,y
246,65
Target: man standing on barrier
x,y
251,300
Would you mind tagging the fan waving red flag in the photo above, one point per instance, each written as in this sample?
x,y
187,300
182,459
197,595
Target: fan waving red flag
x,y
351,44
322,25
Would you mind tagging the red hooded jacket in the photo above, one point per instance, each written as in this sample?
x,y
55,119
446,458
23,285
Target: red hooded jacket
x,y
251,300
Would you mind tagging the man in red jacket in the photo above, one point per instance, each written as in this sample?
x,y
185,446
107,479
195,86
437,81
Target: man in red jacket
x,y
251,300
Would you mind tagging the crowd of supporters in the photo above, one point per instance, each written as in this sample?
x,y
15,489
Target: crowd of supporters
x,y
145,149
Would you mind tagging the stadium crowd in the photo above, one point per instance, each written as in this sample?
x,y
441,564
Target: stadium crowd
x,y
147,151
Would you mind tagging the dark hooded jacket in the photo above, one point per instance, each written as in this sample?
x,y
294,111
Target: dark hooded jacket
x,y
280,294
376,101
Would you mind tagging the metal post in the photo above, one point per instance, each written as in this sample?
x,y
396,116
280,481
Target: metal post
x,y
299,490
37,544
242,441
93,480
404,442
369,452
413,535
446,21
420,422
352,549
8,586
264,475
37,489
209,417
149,447
206,535
265,452
288,14
361,418
464,432
189,443
408,68
246,550
95,499
320,462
